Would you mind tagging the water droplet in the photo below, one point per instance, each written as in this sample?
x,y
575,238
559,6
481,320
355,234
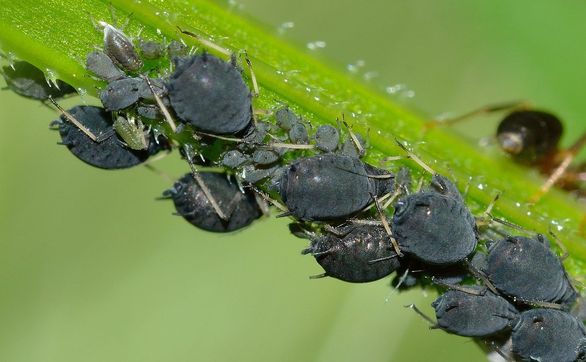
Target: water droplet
x,y
318,44
285,27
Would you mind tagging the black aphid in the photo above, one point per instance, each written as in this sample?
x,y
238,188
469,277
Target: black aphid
x,y
435,226
29,81
108,152
330,186
480,314
151,49
355,254
527,270
286,119
549,335
102,66
125,92
298,134
120,48
191,202
210,94
327,138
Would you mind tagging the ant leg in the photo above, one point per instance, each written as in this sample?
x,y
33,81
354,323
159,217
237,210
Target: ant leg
x,y
567,156
491,108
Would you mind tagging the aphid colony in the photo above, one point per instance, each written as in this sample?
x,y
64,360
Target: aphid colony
x,y
516,290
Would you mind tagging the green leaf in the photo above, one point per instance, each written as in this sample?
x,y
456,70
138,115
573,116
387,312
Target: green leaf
x,y
56,36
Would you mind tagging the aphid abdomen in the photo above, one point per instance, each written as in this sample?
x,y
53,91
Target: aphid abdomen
x,y
210,94
471,315
120,49
326,187
434,228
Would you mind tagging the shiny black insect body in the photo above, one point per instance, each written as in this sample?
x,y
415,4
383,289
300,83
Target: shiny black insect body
x,y
210,94
549,335
527,270
479,314
107,151
29,81
355,254
241,208
330,186
435,226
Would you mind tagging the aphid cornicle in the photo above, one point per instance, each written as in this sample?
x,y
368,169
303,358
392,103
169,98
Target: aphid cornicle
x,y
210,94
120,48
358,254
330,186
435,226
29,81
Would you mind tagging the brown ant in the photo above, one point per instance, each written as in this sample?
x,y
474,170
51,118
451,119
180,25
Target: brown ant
x,y
532,138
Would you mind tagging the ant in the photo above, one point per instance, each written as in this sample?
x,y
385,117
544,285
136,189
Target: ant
x,y
531,137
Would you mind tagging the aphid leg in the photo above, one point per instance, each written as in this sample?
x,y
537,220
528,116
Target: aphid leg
x,y
463,289
267,198
480,275
374,261
206,43
385,223
202,185
567,156
355,139
392,199
164,109
262,204
560,245
490,108
161,174
423,315
402,279
99,138
318,276
415,158
486,217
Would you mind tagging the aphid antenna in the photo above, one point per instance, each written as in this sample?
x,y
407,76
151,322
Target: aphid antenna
x,y
490,108
567,158
541,304
402,279
419,185
392,199
415,158
270,200
365,222
220,137
378,260
252,75
206,43
486,217
159,173
457,287
355,140
498,350
433,324
162,107
292,146
560,245
385,223
334,230
202,185
262,204
480,275
78,124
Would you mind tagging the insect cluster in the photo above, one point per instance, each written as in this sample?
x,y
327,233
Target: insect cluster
x,y
363,222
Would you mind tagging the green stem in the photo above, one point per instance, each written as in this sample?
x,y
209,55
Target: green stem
x,y
55,35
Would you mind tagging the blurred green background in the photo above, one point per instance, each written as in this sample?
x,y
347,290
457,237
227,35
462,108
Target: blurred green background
x,y
93,269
